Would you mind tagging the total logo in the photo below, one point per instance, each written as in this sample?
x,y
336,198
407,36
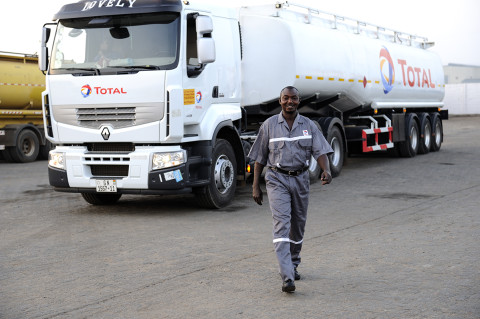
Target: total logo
x,y
198,97
87,91
413,76
387,70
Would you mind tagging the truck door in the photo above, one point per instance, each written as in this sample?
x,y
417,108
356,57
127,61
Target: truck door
x,y
201,77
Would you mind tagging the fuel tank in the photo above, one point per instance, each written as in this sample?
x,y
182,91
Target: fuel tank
x,y
21,82
324,55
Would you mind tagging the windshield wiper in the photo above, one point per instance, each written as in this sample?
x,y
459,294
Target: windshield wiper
x,y
95,70
134,67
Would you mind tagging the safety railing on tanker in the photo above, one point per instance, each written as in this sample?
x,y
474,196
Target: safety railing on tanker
x,y
397,36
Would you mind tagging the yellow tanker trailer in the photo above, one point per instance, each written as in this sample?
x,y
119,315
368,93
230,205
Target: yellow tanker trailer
x,y
22,136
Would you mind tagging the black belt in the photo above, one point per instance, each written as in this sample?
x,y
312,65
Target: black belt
x,y
289,173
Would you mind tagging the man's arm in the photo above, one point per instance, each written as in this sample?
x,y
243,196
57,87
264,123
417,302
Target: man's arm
x,y
257,191
324,164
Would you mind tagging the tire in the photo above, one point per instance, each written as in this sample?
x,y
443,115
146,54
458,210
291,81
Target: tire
x,y
6,155
425,134
45,149
101,199
437,133
409,148
336,159
314,169
223,178
26,148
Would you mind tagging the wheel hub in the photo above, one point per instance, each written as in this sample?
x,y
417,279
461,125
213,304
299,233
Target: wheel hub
x,y
27,147
413,137
428,134
335,157
223,174
438,134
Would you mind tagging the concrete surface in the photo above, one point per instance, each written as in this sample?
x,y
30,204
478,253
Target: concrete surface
x,y
389,238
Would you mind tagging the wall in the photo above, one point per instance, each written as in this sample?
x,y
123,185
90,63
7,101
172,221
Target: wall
x,y
462,99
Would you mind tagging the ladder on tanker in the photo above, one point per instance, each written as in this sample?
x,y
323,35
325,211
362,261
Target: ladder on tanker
x,y
357,26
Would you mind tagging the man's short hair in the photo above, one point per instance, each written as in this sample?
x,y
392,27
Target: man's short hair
x,y
289,88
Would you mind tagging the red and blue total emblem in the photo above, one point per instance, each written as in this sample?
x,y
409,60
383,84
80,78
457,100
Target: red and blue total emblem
x,y
198,97
387,70
86,90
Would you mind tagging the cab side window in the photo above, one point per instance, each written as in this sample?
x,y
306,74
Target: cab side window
x,y
194,68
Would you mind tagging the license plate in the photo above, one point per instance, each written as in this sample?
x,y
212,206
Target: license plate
x,y
106,185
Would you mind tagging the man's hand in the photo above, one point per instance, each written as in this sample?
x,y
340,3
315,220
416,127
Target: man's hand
x,y
324,164
257,191
257,195
326,178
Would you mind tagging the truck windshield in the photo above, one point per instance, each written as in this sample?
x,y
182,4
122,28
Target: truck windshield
x,y
108,44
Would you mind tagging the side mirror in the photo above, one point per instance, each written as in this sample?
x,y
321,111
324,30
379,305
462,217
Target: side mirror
x,y
205,42
43,54
43,59
204,25
119,33
206,50
45,35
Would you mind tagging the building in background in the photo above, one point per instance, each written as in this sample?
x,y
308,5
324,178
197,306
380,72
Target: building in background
x,y
462,89
461,73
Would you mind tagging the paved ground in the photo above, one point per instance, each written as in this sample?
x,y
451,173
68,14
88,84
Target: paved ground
x,y
390,238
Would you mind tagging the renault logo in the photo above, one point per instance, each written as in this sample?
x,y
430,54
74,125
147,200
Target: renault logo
x,y
105,133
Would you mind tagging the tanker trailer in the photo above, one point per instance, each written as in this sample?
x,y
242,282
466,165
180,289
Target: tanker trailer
x,y
22,136
369,88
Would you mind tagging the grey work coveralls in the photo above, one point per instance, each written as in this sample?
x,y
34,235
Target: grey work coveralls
x,y
277,146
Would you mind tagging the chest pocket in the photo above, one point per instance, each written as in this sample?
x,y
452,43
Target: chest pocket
x,y
306,146
277,149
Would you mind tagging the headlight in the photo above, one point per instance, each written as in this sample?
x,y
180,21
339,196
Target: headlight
x,y
56,160
165,160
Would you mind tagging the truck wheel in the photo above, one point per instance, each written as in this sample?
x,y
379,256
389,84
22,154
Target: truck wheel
x,y
45,149
409,147
336,158
314,169
26,147
6,155
101,199
426,134
437,133
221,190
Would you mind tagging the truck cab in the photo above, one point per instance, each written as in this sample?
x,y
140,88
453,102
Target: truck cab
x,y
143,97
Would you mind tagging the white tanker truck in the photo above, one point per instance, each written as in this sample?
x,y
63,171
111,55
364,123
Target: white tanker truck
x,y
166,96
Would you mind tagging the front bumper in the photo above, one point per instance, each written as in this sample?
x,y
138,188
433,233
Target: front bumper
x,y
82,172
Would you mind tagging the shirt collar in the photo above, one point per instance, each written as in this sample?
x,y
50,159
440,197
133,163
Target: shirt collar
x,y
298,119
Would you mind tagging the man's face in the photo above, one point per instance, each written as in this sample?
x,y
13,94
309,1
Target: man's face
x,y
289,101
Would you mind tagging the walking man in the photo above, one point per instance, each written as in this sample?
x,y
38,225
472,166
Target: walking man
x,y
285,144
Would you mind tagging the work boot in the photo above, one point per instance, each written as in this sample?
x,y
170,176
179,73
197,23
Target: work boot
x,y
297,275
288,286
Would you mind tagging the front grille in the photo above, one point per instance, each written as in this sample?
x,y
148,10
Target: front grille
x,y
109,170
111,147
117,117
